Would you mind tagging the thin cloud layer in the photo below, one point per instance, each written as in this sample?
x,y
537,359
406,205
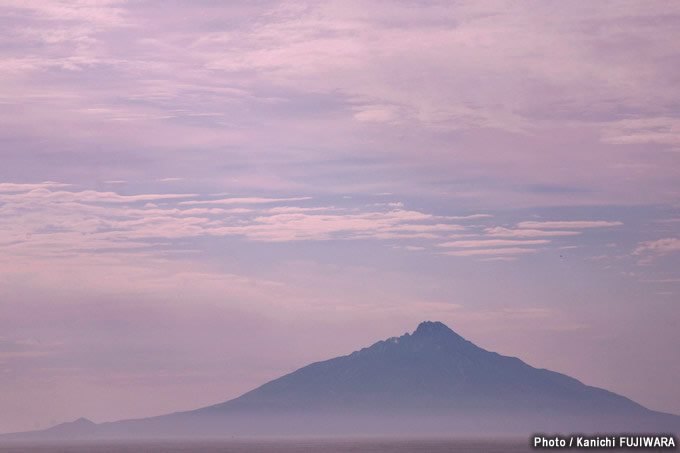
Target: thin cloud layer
x,y
660,247
350,95
576,224
246,200
46,220
491,243
527,233
503,251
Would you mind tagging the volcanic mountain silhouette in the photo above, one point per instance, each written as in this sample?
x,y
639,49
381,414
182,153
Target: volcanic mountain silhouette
x,y
430,382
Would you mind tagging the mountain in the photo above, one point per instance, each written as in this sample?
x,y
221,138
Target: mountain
x,y
432,381
81,428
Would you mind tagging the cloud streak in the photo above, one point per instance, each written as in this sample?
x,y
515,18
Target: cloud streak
x,y
576,224
501,251
526,233
658,247
492,243
245,200
40,220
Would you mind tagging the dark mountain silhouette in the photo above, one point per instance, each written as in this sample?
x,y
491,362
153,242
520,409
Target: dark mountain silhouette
x,y
430,382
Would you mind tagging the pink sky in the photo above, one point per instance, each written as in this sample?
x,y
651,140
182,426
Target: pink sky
x,y
197,197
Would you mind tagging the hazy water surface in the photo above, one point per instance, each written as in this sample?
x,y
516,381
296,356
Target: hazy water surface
x,y
271,446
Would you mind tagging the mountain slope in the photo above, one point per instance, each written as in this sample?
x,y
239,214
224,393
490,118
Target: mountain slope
x,y
434,369
431,381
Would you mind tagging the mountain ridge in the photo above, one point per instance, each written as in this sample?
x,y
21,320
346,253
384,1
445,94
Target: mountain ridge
x,y
430,381
421,353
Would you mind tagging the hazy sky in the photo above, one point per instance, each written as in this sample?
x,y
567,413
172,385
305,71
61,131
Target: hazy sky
x,y
197,197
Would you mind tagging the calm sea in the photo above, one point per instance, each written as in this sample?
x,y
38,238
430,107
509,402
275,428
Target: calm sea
x,y
271,446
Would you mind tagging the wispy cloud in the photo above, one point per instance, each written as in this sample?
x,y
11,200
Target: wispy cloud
x,y
246,200
44,221
662,130
171,179
502,251
526,233
335,96
658,247
569,224
14,187
500,259
90,221
492,243
85,196
469,217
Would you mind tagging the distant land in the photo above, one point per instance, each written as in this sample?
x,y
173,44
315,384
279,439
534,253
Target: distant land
x,y
430,382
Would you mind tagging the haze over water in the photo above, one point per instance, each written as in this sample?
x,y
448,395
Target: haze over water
x,y
280,446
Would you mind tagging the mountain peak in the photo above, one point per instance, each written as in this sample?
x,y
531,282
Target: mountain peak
x,y
84,421
429,329
431,381
433,326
